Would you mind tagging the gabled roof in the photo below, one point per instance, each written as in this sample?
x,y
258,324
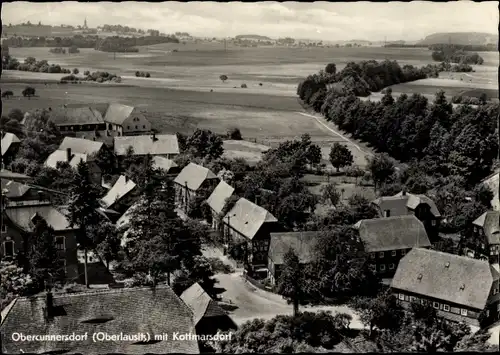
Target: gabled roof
x,y
120,189
399,203
162,144
128,311
247,218
448,277
118,113
75,116
124,220
14,189
201,303
163,163
80,145
303,243
7,141
7,174
489,221
193,176
62,156
22,217
392,233
219,196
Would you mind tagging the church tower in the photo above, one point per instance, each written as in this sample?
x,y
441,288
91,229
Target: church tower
x,y
85,23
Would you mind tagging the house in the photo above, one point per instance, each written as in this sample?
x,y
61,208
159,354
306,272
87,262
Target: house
x,y
485,241
19,222
217,201
71,119
165,145
209,317
458,287
303,244
121,196
492,182
165,164
126,120
10,145
17,193
404,203
73,150
250,225
113,312
387,240
194,180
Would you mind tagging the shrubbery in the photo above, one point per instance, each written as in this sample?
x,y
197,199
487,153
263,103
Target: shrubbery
x,y
455,55
141,74
32,65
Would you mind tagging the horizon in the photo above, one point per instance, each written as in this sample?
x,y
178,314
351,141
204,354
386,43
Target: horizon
x,y
319,21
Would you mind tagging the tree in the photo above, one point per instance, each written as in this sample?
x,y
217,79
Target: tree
x,y
83,210
205,144
331,68
223,78
382,168
330,193
75,71
86,72
234,133
14,282
198,271
291,280
29,92
108,246
340,156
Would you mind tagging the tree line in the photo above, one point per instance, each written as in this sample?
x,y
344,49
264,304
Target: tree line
x,y
32,65
454,54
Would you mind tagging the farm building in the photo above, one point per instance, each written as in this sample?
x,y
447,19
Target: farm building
x,y
302,243
126,120
129,311
10,145
458,287
165,164
121,196
217,201
164,145
387,240
485,241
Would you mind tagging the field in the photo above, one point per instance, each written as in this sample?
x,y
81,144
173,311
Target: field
x,y
185,91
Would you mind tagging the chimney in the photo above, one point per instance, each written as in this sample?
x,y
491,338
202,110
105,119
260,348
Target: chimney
x,y
68,154
126,178
49,306
403,193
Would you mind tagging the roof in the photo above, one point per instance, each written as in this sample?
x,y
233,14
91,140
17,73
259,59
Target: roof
x,y
14,189
144,144
247,218
303,243
117,113
219,196
75,115
128,311
80,145
448,277
392,233
193,176
399,203
7,141
163,163
492,182
22,216
62,156
124,220
201,303
121,188
7,174
489,221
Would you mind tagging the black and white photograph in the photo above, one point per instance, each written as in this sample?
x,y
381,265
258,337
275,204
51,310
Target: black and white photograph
x,y
249,177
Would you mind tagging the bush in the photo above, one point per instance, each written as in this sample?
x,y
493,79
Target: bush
x,y
69,78
29,91
234,133
75,71
7,93
86,72
148,75
243,86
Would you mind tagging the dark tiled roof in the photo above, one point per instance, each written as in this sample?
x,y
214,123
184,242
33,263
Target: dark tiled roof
x,y
247,218
75,115
219,196
392,233
303,243
22,216
202,305
489,221
194,175
118,113
448,277
399,203
144,144
8,140
129,311
119,190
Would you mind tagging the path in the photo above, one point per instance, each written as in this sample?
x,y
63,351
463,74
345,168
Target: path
x,y
320,121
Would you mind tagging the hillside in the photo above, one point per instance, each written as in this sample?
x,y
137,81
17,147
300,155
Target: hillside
x,y
461,38
36,30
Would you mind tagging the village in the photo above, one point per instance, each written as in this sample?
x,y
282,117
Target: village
x,y
158,187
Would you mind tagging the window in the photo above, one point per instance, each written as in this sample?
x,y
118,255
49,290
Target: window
x,y
446,308
144,126
495,291
401,297
412,299
381,254
60,243
4,228
433,223
482,245
393,253
423,302
391,266
407,298
403,252
382,267
8,247
463,312
128,127
435,305
135,127
387,213
372,255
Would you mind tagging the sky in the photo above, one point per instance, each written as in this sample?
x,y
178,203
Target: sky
x,y
319,20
